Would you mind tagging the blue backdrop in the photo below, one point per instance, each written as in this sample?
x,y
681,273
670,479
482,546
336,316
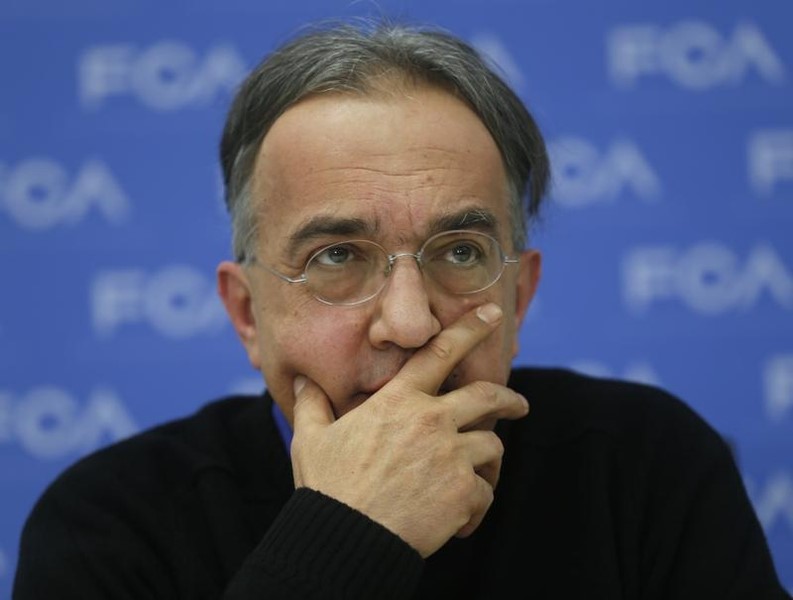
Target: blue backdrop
x,y
668,241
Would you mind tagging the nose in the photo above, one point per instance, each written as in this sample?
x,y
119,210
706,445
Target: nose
x,y
403,314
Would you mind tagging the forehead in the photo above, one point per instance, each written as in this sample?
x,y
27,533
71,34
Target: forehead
x,y
395,162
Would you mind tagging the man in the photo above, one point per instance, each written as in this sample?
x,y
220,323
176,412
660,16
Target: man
x,y
377,180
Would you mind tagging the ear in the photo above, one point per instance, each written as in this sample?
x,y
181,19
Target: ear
x,y
529,271
234,289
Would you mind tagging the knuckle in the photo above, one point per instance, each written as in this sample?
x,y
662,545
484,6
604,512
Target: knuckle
x,y
488,494
481,496
468,484
440,347
496,445
488,392
431,419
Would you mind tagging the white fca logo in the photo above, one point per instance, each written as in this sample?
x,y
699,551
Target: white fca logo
x,y
773,502
692,54
40,193
178,302
50,424
165,76
770,159
778,384
584,174
709,278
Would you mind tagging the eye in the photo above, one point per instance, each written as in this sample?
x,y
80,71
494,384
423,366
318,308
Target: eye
x,y
462,253
334,255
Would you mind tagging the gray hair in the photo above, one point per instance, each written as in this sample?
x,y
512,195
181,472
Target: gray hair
x,y
356,58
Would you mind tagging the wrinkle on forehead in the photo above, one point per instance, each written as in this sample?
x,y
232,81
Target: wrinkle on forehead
x,y
394,164
398,163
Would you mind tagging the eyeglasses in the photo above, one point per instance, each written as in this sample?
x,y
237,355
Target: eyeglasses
x,y
355,271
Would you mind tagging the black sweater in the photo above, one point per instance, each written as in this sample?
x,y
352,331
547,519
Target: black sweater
x,y
608,490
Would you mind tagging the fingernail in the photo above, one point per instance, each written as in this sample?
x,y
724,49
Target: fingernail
x,y
299,384
525,402
489,313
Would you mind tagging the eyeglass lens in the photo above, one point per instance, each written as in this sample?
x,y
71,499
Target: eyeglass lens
x,y
459,262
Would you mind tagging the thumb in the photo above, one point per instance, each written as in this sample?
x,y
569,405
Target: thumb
x,y
312,407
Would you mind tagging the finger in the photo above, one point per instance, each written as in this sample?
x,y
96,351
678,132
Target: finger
x,y
430,366
485,499
484,450
312,407
481,400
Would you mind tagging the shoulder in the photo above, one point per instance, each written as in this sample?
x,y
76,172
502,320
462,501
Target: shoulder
x,y
640,438
123,515
637,468
567,405
160,461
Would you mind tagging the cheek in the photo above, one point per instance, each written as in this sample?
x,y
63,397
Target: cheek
x,y
309,342
301,344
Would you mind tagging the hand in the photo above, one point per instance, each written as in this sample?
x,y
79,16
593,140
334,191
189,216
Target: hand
x,y
409,459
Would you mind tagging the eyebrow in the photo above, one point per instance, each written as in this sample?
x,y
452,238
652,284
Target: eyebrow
x,y
467,218
325,225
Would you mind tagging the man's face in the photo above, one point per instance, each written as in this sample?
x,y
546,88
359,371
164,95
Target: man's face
x,y
393,168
